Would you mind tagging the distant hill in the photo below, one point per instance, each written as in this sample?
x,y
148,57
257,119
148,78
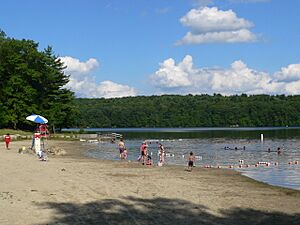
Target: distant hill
x,y
189,111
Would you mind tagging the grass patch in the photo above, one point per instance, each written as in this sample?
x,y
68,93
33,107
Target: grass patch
x,y
11,131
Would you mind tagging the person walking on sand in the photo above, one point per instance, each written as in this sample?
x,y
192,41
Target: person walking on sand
x,y
191,161
7,139
121,147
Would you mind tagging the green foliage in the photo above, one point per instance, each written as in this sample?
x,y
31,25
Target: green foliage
x,y
32,82
189,111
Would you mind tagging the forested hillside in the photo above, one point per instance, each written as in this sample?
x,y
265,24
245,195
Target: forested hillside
x,y
189,111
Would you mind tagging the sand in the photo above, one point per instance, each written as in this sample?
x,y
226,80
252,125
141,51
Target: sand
x,y
72,189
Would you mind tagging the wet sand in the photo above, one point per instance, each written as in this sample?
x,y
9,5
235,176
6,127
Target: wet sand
x,y
72,189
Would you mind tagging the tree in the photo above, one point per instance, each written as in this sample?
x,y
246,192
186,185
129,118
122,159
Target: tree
x,y
32,81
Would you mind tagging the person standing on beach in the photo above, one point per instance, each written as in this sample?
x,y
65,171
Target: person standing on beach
x,y
191,161
7,139
121,147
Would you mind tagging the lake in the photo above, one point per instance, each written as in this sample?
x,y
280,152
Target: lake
x,y
209,144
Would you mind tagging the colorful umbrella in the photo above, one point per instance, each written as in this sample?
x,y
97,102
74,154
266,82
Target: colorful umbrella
x,y
37,119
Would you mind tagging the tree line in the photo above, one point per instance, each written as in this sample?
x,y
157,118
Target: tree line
x,y
189,111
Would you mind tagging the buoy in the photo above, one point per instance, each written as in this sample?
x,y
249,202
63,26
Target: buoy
x,y
182,156
263,163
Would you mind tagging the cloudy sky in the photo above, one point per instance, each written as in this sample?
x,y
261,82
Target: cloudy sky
x,y
115,48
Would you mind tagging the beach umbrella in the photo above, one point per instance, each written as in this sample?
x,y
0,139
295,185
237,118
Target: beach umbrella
x,y
37,119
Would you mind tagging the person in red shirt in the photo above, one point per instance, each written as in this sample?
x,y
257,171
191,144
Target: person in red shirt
x,y
7,140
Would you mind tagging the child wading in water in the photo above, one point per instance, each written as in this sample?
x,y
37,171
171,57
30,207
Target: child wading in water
x,y
125,153
191,162
121,147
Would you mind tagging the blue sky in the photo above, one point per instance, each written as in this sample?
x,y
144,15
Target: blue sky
x,y
149,47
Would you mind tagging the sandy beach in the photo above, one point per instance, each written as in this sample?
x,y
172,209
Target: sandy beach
x,y
72,189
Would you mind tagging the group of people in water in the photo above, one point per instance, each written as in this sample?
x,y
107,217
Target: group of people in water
x,y
146,158
279,150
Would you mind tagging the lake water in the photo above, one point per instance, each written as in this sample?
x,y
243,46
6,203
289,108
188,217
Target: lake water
x,y
209,143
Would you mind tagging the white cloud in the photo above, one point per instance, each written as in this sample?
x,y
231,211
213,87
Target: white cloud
x,y
212,19
289,73
237,79
293,88
172,76
242,35
88,88
213,25
84,84
74,66
109,89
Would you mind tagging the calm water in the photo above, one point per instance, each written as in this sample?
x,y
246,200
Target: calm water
x,y
210,143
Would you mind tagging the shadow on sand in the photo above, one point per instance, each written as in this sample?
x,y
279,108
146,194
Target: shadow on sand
x,y
159,211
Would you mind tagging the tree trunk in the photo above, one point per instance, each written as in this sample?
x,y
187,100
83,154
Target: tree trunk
x,y
53,128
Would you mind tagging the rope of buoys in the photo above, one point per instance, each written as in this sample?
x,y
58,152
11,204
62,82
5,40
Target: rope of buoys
x,y
240,165
266,164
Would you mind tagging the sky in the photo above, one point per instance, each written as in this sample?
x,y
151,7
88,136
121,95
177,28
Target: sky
x,y
117,48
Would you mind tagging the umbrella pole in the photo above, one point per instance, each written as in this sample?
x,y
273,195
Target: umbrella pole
x,y
42,144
